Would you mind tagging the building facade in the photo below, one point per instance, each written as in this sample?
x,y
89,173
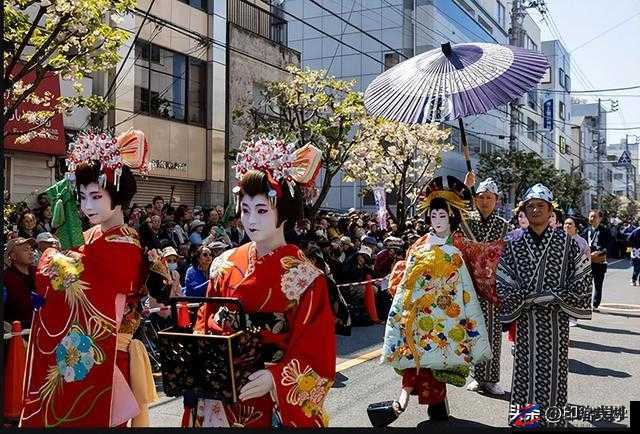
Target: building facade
x,y
557,145
592,119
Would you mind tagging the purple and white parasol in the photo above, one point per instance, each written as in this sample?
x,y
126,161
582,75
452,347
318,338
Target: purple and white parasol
x,y
454,81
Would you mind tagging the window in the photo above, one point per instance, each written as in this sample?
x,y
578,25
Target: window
x,y
532,99
561,112
562,145
391,60
169,84
466,7
485,24
561,76
198,4
502,15
567,83
197,97
532,130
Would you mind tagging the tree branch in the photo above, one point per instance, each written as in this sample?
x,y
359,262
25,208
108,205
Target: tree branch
x,y
35,58
25,40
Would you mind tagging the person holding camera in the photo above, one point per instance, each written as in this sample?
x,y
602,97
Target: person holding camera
x,y
598,238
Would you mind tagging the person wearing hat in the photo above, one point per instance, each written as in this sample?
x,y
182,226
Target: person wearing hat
x,y
18,278
195,229
387,257
217,248
45,240
486,227
170,258
543,279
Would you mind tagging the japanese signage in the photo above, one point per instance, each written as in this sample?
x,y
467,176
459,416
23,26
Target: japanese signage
x,y
548,114
54,142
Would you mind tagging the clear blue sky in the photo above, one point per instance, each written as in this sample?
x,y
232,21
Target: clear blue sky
x,y
609,61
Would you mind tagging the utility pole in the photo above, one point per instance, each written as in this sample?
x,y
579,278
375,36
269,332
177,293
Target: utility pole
x,y
626,147
599,167
515,38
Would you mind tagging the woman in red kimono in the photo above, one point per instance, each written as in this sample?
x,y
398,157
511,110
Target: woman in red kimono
x,y
283,294
83,368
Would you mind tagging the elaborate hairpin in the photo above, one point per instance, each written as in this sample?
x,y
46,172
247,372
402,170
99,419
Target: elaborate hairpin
x,y
281,162
130,149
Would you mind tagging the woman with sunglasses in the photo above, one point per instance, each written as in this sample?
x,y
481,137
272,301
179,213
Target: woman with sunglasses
x,y
197,278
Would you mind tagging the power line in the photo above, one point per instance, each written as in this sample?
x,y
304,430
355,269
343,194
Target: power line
x,y
358,29
605,32
144,19
328,35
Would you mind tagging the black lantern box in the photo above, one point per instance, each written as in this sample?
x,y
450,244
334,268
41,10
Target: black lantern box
x,y
210,366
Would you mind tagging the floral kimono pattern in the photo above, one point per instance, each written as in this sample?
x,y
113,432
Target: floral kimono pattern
x,y
73,378
299,343
435,319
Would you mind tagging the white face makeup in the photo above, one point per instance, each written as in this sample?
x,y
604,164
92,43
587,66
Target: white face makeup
x,y
258,218
440,221
95,203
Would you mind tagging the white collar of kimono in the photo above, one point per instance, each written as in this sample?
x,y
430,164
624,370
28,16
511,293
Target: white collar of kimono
x,y
435,240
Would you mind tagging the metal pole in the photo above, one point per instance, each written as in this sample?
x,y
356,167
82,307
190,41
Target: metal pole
x,y
626,145
599,183
514,39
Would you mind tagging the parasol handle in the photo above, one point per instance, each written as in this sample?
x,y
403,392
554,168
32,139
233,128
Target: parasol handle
x,y
467,159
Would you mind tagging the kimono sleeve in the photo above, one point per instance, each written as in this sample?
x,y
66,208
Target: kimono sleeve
x,y
395,278
125,275
305,374
481,349
574,293
511,298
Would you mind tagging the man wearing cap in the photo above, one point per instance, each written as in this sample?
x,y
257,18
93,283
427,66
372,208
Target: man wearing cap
x,y
543,278
18,278
487,227
45,240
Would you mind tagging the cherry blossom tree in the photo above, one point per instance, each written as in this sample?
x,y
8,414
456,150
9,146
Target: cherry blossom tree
x,y
67,38
399,157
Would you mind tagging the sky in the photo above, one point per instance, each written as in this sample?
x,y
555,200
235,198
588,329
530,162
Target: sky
x,y
610,60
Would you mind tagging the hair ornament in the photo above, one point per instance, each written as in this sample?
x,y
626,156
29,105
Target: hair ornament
x,y
130,148
282,163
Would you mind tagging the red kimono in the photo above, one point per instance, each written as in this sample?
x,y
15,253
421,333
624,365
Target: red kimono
x,y
74,377
300,335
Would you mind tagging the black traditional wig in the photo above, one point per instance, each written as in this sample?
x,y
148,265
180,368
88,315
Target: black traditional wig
x,y
90,173
289,207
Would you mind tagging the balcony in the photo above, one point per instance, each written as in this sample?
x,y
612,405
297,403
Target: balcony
x,y
258,20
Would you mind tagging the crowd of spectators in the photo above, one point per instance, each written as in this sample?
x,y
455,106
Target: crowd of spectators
x,y
350,247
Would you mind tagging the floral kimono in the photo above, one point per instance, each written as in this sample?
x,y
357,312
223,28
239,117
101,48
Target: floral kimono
x,y
435,321
286,297
78,366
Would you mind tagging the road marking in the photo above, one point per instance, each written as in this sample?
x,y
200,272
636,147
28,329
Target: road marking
x,y
358,360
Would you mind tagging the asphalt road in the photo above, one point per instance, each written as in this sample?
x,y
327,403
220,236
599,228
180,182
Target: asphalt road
x,y
604,369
